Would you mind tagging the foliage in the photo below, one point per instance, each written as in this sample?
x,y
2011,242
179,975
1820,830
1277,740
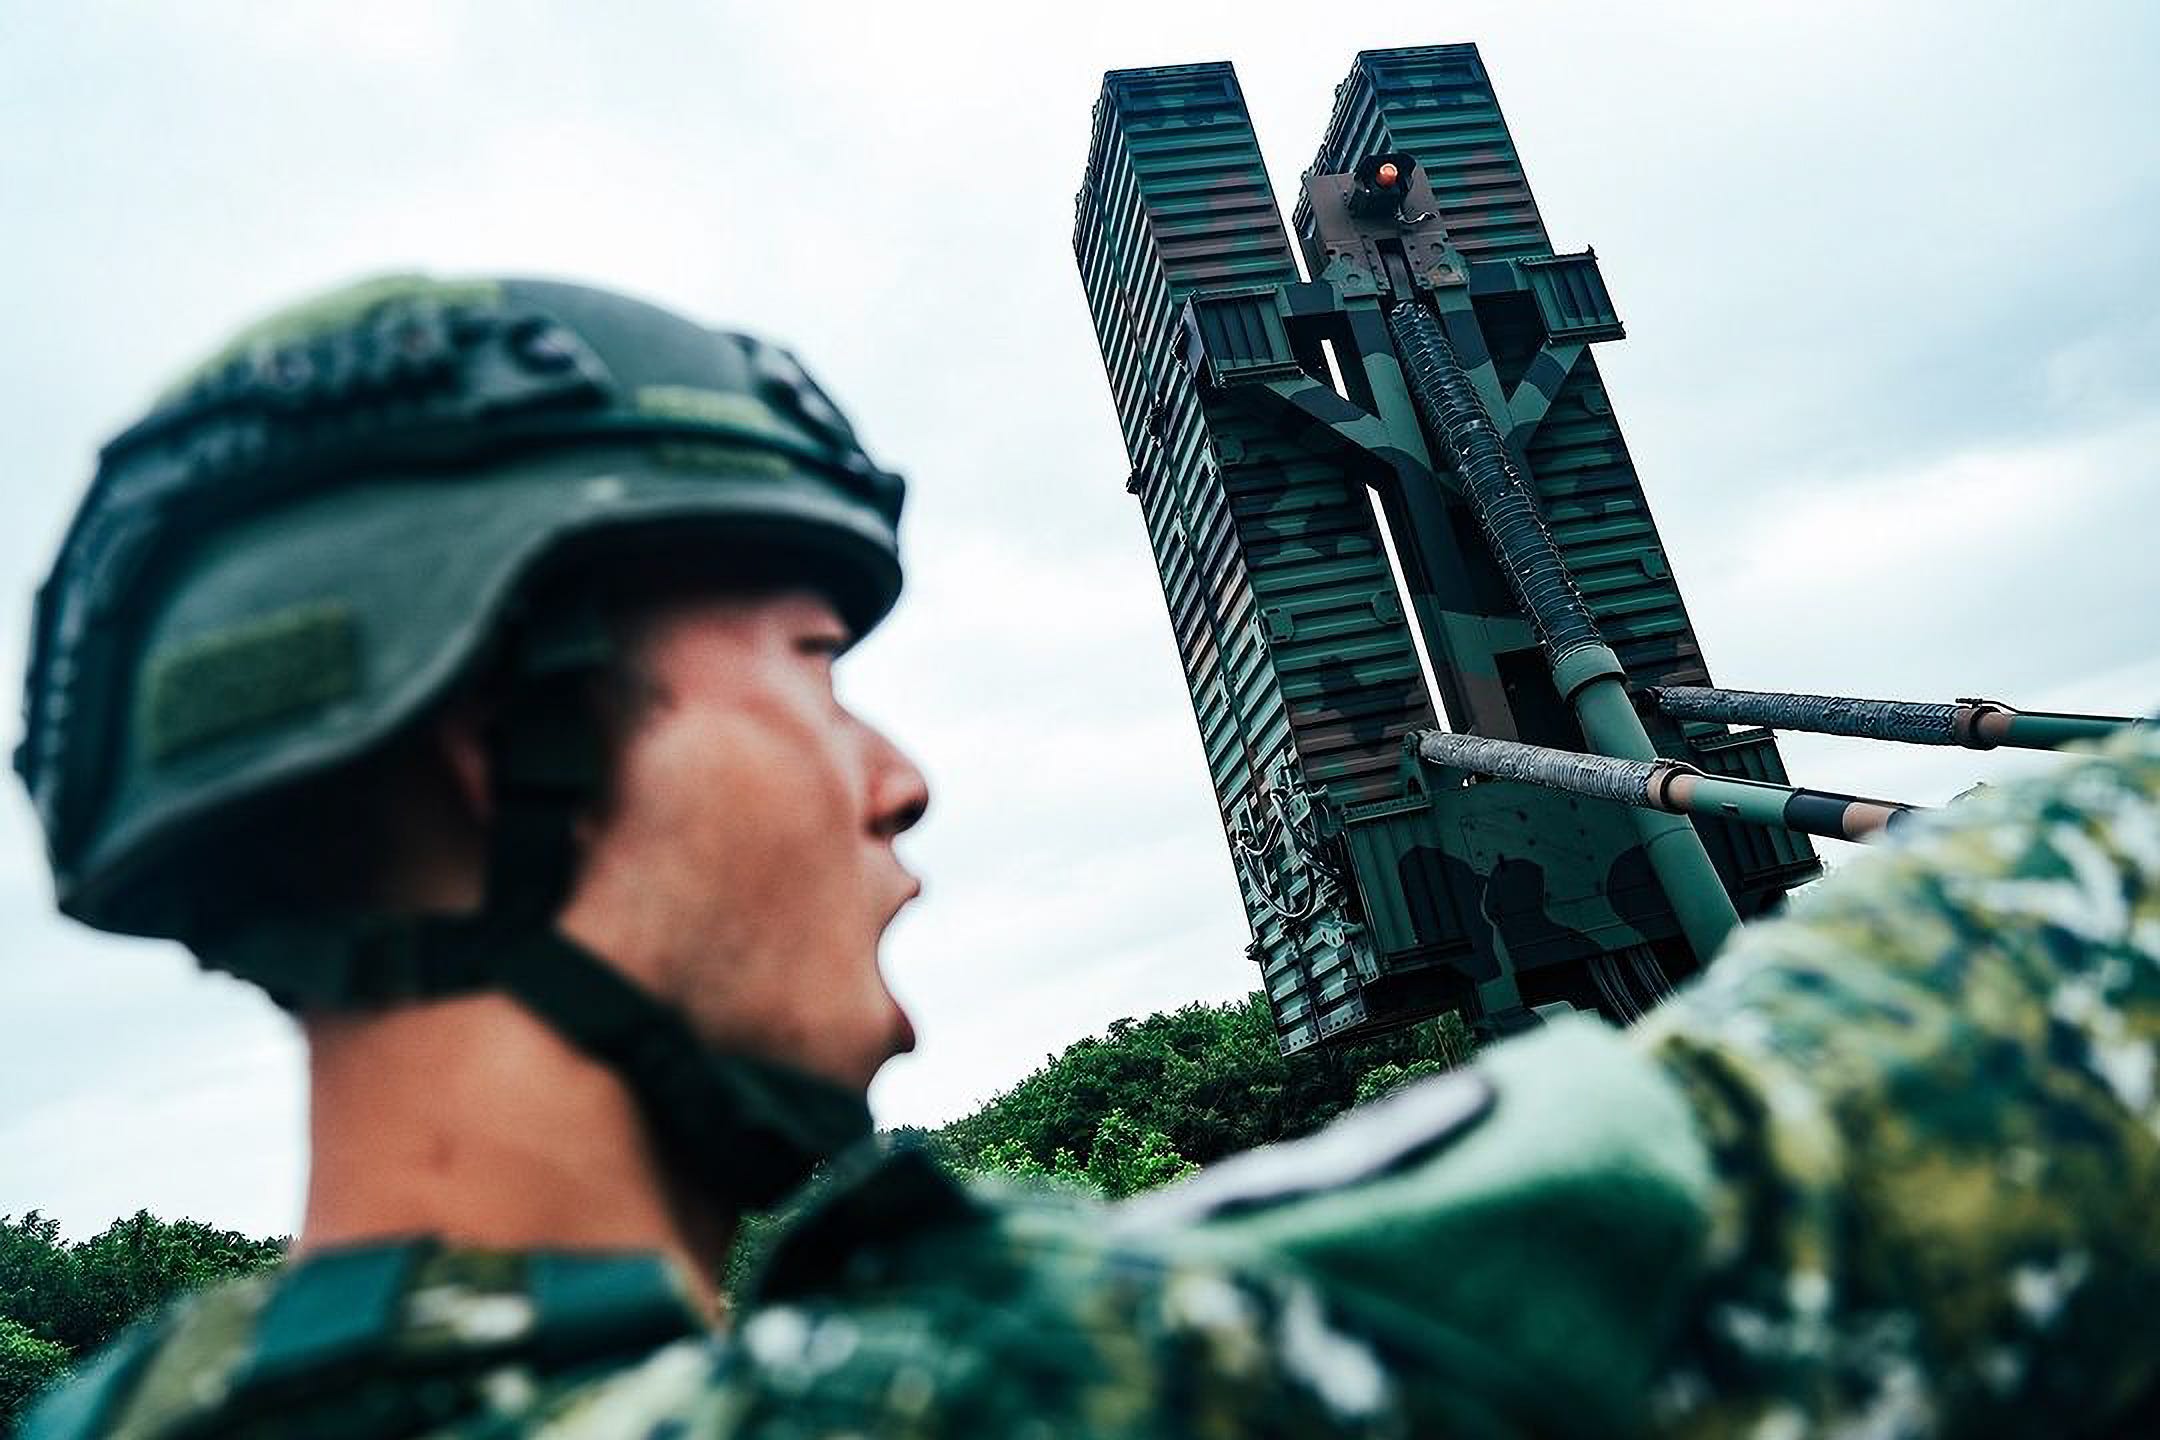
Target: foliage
x,y
1386,1079
1206,1078
1010,1157
1153,1100
27,1365
1123,1159
61,1299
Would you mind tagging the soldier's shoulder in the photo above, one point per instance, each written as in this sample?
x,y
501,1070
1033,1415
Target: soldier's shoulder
x,y
912,1301
903,1300
384,1340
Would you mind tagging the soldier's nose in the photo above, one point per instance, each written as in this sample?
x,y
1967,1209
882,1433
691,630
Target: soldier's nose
x,y
902,795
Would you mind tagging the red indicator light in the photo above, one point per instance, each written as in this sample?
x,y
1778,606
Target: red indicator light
x,y
1387,175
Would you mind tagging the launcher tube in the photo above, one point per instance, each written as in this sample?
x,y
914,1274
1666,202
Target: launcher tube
x,y
1506,507
1975,724
1812,812
2041,729
1585,670
1664,785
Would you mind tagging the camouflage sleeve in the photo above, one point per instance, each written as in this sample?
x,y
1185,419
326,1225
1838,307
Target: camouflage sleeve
x,y
1890,1169
1929,1100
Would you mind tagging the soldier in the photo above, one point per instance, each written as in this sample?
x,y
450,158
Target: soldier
x,y
452,661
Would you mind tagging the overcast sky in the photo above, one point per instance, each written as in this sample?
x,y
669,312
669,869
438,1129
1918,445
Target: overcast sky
x,y
1887,273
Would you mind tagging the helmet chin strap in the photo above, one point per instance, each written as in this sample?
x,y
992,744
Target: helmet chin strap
x,y
741,1130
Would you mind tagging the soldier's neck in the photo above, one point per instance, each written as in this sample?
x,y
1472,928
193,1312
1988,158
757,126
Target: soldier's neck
x,y
469,1120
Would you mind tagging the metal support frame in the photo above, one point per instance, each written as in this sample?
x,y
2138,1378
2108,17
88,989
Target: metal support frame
x,y
1241,342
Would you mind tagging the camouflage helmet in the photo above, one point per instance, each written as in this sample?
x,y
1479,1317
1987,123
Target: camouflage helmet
x,y
310,538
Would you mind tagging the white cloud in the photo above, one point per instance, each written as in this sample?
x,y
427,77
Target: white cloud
x,y
1898,534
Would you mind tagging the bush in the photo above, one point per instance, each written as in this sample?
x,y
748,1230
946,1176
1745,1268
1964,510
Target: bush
x,y
27,1365
1387,1079
1206,1078
60,1300
1123,1159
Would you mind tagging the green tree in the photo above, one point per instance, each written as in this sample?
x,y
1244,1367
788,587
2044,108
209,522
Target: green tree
x,y
61,1300
1207,1077
1126,1159
134,1265
28,1364
37,1282
1387,1078
1122,1160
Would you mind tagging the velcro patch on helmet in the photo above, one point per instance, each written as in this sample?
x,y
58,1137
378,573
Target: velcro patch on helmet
x,y
705,407
710,459
239,679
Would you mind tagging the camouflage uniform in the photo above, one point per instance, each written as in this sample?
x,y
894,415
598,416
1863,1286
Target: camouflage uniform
x,y
1888,1170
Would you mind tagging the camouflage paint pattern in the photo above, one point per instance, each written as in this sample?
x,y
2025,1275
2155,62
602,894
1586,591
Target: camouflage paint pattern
x,y
1888,1170
1297,655
1932,1106
1257,481
1438,104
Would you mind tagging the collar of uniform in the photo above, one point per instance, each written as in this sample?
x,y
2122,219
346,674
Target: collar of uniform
x,y
421,1297
265,1345
873,1202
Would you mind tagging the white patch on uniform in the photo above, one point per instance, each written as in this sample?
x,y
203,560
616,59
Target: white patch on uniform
x,y
1747,1030
833,1342
472,1316
1783,1423
911,1391
508,1390
1209,1305
2123,1060
2075,1000
1752,1332
2002,1369
2024,1165
1797,1107
1808,1292
2099,873
1901,1408
2127,1066
1679,1395
1200,1300
1336,1367
603,489
2088,902
2134,829
794,1350
1803,1332
632,1401
2041,1291
776,1337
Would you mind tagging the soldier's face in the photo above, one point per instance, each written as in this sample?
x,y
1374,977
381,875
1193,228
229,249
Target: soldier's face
x,y
745,868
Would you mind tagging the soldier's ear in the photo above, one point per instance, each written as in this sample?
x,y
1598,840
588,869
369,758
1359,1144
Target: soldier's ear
x,y
459,735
